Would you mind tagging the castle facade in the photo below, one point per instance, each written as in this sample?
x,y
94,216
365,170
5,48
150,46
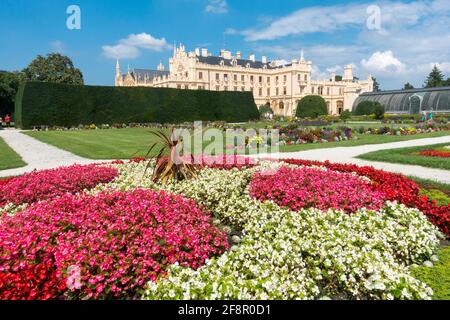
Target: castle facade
x,y
280,85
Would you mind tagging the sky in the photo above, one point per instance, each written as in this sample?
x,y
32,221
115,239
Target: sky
x,y
395,41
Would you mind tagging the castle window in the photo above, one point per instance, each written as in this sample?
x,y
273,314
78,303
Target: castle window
x,y
268,92
328,91
260,79
284,90
251,78
179,86
299,77
225,77
242,78
312,90
217,76
306,77
285,78
235,77
276,79
200,75
242,88
268,80
277,91
260,92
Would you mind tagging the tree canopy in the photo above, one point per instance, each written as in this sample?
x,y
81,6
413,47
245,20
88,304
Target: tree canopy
x,y
9,83
311,107
376,85
53,68
435,78
408,86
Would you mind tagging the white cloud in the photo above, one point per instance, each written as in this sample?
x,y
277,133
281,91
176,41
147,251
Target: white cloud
x,y
217,7
334,69
58,46
128,48
383,62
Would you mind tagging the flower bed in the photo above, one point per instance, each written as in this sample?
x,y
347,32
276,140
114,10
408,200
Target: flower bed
x,y
45,184
118,241
299,188
435,153
344,247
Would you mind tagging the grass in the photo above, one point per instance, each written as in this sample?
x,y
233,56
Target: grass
x,y
437,277
130,142
9,159
410,156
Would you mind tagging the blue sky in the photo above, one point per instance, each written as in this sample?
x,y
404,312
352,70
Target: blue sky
x,y
411,36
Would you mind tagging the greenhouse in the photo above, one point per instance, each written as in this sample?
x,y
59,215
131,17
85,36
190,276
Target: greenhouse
x,y
410,101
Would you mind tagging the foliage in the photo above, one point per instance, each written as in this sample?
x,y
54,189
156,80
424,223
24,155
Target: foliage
x,y
435,78
311,107
169,165
9,84
376,85
55,104
433,194
408,86
438,276
345,115
265,109
116,240
368,107
378,111
53,68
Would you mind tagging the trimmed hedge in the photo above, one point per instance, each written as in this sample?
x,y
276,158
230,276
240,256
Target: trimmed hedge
x,y
311,106
54,104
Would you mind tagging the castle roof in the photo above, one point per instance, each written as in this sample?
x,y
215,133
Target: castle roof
x,y
216,61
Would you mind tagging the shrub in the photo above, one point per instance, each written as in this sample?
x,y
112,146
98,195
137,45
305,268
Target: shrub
x,y
265,109
54,104
345,115
368,108
312,107
45,184
117,240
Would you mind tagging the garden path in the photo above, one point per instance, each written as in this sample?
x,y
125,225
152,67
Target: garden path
x,y
349,154
39,155
36,154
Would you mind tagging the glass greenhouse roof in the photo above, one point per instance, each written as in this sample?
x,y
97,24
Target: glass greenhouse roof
x,y
410,101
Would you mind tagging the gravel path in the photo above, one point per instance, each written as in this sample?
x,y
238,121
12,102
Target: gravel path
x,y
39,155
36,154
349,154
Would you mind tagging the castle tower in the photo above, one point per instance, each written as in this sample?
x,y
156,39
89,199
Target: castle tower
x,y
348,73
118,81
302,56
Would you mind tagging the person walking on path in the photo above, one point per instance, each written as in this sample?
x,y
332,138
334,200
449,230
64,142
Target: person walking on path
x,y
8,120
424,116
431,114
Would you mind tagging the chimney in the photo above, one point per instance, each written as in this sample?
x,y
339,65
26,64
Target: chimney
x,y
238,55
264,59
204,52
252,58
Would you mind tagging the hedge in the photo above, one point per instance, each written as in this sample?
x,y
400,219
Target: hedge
x,y
311,106
53,104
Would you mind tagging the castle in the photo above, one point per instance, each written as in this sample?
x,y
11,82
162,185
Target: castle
x,y
280,85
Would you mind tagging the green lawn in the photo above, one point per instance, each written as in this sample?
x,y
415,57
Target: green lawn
x,y
437,277
410,156
127,143
8,158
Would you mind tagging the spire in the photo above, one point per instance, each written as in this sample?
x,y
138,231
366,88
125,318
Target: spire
x,y
174,48
117,68
160,66
302,56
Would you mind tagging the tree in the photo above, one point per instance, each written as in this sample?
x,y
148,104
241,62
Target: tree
x,y
9,83
265,109
368,108
338,78
378,111
53,68
408,86
311,107
376,85
345,115
435,78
